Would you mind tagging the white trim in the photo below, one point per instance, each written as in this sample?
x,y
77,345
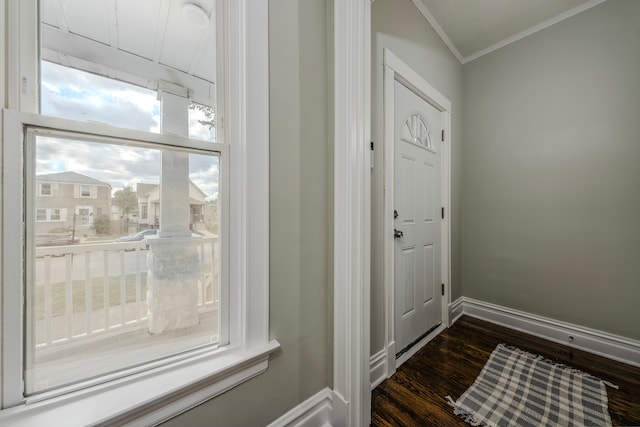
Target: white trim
x,y
426,14
3,55
455,310
604,344
22,53
445,224
396,69
352,176
149,399
378,368
316,411
416,347
534,29
529,31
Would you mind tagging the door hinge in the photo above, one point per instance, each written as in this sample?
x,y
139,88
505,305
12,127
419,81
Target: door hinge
x,y
442,135
442,212
371,145
443,289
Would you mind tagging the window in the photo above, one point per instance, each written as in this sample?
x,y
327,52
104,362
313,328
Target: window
x,y
182,172
45,189
85,190
144,212
111,295
41,214
55,215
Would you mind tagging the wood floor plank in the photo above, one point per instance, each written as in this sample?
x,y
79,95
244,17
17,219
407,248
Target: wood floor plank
x,y
416,394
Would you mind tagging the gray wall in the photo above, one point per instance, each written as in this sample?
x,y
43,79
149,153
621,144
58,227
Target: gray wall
x,y
300,226
551,172
398,26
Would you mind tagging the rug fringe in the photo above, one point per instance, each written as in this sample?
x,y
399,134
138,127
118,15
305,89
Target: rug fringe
x,y
555,363
466,416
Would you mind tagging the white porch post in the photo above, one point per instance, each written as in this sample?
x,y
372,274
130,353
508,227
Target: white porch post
x,y
174,174
173,262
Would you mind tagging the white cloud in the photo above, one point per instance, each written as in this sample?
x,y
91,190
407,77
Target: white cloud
x,y
83,96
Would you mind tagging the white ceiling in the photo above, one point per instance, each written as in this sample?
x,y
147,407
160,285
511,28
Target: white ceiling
x,y
140,41
472,28
145,41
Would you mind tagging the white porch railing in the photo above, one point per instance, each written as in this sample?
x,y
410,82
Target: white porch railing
x,y
67,280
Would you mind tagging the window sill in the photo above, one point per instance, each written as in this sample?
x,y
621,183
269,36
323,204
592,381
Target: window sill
x,y
149,397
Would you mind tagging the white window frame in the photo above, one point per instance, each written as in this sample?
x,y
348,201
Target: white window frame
x,y
158,394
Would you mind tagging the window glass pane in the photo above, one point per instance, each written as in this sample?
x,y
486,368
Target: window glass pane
x,y
107,291
73,94
45,189
202,122
85,190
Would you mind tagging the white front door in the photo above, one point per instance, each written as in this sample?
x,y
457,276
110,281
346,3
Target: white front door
x,y
417,204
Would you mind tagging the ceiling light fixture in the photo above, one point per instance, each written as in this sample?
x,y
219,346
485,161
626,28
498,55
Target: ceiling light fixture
x,y
195,14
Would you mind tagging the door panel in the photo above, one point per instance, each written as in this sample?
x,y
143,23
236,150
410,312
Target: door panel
x,y
429,273
408,284
407,192
429,197
417,129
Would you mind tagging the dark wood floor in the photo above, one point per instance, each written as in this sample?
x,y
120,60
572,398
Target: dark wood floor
x,y
448,365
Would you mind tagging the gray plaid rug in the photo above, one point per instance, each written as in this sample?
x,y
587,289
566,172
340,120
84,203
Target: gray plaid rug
x,y
516,388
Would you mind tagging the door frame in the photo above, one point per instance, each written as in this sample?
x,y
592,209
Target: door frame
x,y
397,70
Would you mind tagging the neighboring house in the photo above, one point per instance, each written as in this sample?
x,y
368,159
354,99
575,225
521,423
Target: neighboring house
x,y
120,221
68,199
149,206
211,215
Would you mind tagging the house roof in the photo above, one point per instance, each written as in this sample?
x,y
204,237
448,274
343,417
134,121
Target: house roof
x,y
144,189
70,178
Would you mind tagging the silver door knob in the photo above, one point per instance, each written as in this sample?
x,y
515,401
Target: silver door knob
x,y
397,234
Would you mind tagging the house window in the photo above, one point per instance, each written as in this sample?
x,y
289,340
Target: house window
x,y
85,190
55,215
45,189
94,288
144,213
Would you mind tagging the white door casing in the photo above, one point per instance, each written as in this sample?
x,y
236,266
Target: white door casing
x,y
398,78
417,250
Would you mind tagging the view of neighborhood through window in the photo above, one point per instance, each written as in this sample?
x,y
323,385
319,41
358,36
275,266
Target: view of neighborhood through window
x,y
114,279
90,272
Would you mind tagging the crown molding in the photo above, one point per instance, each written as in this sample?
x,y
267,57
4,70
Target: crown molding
x,y
529,31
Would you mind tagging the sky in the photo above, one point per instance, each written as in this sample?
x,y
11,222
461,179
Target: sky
x,y
82,96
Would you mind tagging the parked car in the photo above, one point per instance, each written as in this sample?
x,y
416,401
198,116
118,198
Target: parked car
x,y
138,236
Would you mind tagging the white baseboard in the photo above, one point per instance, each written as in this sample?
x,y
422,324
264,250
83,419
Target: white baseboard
x,y
601,343
416,347
378,368
456,310
316,411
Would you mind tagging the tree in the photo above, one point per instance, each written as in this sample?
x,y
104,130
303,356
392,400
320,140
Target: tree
x,y
126,200
209,112
102,224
